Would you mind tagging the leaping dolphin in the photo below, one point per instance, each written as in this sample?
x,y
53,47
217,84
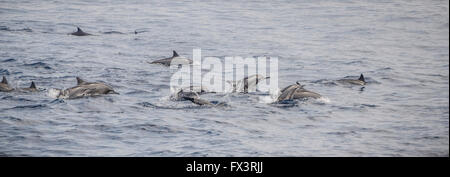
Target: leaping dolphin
x,y
176,59
4,86
296,91
85,89
248,83
80,32
360,81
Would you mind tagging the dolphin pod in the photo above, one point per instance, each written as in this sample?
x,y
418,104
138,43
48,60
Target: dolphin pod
x,y
82,89
87,89
192,93
5,87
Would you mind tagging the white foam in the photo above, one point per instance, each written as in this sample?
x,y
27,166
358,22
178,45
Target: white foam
x,y
53,93
324,99
272,97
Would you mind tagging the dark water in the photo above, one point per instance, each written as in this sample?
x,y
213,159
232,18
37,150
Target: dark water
x,y
402,47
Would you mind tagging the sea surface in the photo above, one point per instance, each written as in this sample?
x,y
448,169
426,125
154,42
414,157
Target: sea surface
x,y
401,47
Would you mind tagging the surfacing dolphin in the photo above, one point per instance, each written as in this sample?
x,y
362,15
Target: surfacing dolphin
x,y
85,89
4,86
177,59
202,102
32,88
360,81
296,91
80,32
190,92
193,93
247,84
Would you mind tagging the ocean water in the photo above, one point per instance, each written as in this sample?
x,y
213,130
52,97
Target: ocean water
x,y
402,48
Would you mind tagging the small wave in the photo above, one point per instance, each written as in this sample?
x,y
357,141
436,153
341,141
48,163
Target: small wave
x,y
286,103
153,128
14,119
174,107
28,107
339,133
15,99
353,62
5,28
56,101
137,92
113,32
8,60
4,72
140,31
38,65
368,105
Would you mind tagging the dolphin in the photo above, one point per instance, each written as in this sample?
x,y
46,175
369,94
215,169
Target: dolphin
x,y
191,91
85,89
248,83
198,100
32,88
360,81
296,91
175,59
4,86
80,32
202,102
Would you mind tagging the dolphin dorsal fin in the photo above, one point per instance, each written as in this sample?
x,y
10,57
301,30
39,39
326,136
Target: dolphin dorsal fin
x,y
33,85
4,81
175,54
80,81
299,85
361,78
79,30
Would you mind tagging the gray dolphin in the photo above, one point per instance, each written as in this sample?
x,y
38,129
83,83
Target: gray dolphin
x,y
191,91
248,83
85,89
202,102
80,32
360,81
192,94
296,91
4,86
176,59
32,88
